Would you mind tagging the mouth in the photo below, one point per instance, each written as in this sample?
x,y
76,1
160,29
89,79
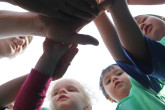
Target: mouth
x,y
62,97
117,83
147,28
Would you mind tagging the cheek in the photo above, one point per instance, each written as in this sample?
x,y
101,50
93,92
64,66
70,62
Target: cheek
x,y
6,49
158,31
78,100
54,100
128,82
109,90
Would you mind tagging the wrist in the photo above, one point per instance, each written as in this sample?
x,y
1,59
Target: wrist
x,y
38,26
46,64
39,22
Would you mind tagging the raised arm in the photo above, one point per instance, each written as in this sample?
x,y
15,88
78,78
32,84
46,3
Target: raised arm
x,y
27,23
130,35
110,37
33,91
16,23
9,90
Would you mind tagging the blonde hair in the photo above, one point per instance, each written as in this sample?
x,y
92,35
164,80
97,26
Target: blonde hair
x,y
82,88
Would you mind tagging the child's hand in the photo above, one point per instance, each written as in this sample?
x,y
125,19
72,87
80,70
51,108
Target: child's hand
x,y
67,10
65,62
64,32
62,54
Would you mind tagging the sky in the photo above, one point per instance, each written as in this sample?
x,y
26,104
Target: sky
x,y
86,66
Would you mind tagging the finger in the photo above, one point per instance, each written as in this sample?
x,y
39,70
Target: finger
x,y
60,15
78,14
65,62
68,57
71,15
83,39
81,9
70,53
93,3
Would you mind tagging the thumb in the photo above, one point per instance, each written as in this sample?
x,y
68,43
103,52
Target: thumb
x,y
83,39
65,62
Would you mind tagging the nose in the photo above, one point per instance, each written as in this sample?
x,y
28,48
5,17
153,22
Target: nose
x,y
142,26
114,78
19,41
62,91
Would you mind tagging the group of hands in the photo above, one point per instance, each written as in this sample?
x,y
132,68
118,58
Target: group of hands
x,y
63,19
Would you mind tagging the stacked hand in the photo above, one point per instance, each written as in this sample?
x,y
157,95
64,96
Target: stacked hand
x,y
67,10
62,54
64,32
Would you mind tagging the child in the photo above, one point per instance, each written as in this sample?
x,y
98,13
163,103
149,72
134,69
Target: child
x,y
127,34
28,23
10,47
117,86
52,64
69,94
145,59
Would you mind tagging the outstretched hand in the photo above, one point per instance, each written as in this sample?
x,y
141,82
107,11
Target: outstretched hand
x,y
65,32
63,54
67,10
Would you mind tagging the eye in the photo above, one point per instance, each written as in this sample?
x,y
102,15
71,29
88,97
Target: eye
x,y
143,19
108,81
56,93
71,90
120,73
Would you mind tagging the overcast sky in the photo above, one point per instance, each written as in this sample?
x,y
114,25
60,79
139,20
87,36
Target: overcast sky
x,y
87,65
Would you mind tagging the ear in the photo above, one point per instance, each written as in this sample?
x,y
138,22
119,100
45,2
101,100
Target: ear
x,y
110,99
88,107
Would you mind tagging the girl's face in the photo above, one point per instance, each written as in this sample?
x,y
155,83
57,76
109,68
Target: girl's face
x,y
67,96
151,26
117,83
10,47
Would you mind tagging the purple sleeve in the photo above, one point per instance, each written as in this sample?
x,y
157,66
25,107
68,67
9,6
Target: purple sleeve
x,y
33,92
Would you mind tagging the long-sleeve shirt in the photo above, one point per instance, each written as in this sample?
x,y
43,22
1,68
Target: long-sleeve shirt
x,y
33,92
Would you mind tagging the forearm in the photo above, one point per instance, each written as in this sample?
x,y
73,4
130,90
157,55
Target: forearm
x,y
9,90
18,23
145,2
110,37
129,32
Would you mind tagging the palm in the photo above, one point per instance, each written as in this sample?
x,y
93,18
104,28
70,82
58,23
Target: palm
x,y
63,53
66,32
